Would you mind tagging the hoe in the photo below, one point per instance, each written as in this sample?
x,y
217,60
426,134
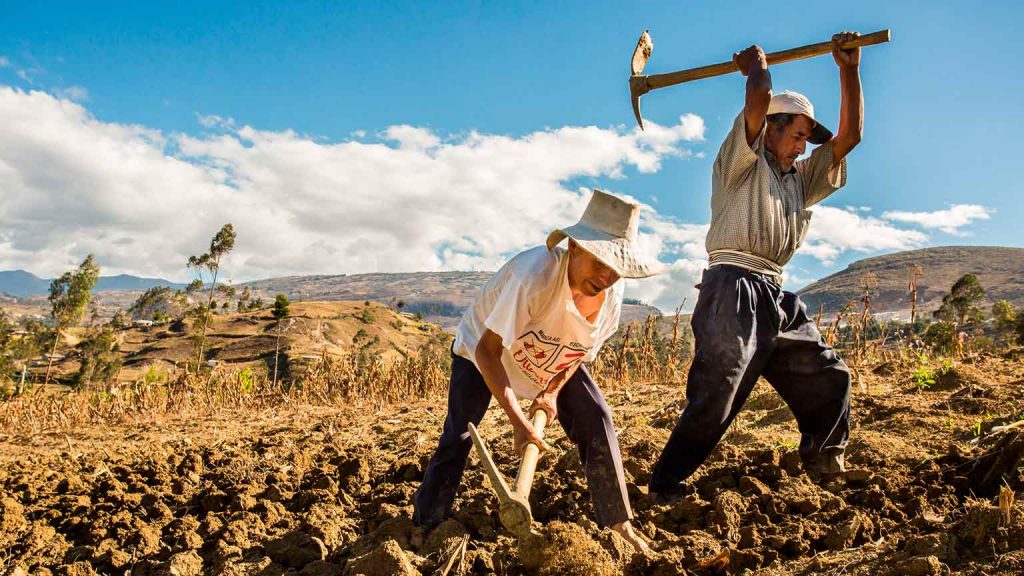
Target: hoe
x,y
514,505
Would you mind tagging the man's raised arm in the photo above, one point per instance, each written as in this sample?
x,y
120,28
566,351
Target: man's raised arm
x,y
752,64
851,110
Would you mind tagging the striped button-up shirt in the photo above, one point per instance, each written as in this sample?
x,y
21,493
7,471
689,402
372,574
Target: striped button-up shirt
x,y
759,215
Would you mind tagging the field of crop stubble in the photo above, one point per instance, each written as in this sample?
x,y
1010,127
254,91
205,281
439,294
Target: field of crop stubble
x,y
215,476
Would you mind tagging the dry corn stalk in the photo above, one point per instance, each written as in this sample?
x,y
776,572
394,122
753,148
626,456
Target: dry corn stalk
x,y
620,369
1006,499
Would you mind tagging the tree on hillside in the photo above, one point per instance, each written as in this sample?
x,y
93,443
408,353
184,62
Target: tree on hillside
x,y
120,321
1018,328
941,337
101,359
17,348
69,297
157,303
228,292
244,300
962,302
1005,318
6,327
223,242
282,309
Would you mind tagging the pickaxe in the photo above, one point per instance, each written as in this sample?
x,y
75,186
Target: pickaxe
x,y
514,505
639,84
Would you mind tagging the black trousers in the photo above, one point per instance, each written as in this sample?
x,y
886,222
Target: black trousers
x,y
583,414
745,326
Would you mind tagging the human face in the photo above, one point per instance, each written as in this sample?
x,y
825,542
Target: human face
x,y
789,143
587,274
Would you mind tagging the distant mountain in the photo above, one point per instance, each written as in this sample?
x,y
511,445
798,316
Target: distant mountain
x,y
440,297
999,270
22,284
125,282
414,288
443,296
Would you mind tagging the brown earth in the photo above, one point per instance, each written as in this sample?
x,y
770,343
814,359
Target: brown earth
x,y
316,491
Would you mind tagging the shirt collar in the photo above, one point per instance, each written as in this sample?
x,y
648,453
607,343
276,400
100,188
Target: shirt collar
x,y
774,163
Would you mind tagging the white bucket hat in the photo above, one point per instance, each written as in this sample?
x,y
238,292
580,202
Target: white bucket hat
x,y
608,230
796,103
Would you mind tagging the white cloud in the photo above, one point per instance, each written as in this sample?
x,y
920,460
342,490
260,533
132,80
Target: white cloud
x,y
950,220
4,62
837,230
408,199
143,201
74,93
214,121
412,137
682,246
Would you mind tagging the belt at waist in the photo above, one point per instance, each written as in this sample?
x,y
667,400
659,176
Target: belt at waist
x,y
746,261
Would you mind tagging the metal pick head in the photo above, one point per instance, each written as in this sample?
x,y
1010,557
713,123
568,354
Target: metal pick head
x,y
637,83
515,515
644,47
637,88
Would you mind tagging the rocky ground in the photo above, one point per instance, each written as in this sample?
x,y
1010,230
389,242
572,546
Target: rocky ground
x,y
328,491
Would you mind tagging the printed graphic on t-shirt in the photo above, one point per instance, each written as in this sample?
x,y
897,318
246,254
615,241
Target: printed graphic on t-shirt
x,y
541,356
537,351
569,357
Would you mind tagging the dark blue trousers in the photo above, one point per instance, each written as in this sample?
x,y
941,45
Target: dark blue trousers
x,y
584,416
745,326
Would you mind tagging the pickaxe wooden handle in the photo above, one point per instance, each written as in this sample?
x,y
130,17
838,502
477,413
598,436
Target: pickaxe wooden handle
x,y
640,84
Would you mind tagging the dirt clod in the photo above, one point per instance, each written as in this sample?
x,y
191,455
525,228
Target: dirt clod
x,y
387,560
185,564
296,549
565,549
920,566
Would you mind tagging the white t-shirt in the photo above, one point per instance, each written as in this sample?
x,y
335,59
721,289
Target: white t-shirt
x,y
528,304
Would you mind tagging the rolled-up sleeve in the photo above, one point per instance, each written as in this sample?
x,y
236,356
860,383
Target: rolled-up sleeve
x,y
819,178
736,158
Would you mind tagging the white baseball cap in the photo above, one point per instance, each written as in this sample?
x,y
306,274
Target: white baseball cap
x,y
796,103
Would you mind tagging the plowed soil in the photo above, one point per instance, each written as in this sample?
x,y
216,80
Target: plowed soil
x,y
317,491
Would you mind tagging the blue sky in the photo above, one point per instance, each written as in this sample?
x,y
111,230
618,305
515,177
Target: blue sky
x,y
942,104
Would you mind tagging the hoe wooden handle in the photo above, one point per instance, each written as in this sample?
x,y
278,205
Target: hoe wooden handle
x,y
669,79
524,480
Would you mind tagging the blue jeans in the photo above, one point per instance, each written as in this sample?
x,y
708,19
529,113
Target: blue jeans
x,y
584,416
745,326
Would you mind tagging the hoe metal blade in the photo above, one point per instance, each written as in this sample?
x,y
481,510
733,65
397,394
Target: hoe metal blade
x,y
514,509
